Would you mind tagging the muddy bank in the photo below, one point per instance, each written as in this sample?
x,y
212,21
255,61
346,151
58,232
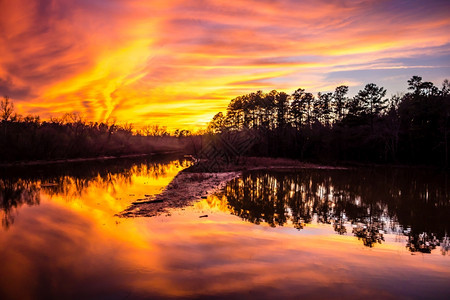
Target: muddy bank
x,y
183,190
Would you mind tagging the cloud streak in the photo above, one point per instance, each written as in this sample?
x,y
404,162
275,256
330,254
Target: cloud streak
x,y
136,60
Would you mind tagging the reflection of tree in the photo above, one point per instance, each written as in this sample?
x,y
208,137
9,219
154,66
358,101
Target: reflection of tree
x,y
373,200
422,242
339,225
445,245
370,234
14,194
20,186
251,200
72,185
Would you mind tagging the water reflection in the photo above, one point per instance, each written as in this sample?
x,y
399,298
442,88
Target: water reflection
x,y
21,186
14,194
370,202
69,245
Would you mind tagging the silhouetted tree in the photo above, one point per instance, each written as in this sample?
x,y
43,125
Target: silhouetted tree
x,y
340,100
6,109
297,109
445,88
302,107
371,99
217,123
422,88
322,108
282,108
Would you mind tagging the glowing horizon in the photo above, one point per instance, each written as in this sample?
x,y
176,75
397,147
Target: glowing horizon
x,y
177,63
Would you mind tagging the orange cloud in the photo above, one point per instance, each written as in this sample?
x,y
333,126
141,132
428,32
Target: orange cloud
x,y
179,62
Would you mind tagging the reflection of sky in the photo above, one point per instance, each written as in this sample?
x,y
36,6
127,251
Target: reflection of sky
x,y
71,246
179,62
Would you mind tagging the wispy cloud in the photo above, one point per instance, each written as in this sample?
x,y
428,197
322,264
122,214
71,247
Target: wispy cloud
x,y
178,62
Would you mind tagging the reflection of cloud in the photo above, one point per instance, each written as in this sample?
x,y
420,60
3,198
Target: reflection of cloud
x,y
71,246
117,58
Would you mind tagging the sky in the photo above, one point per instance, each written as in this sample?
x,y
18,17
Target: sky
x,y
177,62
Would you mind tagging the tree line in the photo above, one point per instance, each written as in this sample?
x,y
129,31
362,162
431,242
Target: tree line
x,y
412,128
28,138
328,127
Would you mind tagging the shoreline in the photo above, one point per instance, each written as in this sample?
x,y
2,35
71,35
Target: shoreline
x,y
252,163
247,163
83,159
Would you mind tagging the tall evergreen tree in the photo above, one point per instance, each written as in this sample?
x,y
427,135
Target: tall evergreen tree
x,y
340,100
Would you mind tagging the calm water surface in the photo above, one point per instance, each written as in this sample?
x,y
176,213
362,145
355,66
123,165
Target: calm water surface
x,y
376,233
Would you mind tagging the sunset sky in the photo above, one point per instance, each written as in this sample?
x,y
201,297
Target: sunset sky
x,y
178,62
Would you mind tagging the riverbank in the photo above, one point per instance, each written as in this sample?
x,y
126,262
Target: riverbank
x,y
85,159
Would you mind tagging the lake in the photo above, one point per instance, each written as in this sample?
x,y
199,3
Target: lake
x,y
310,233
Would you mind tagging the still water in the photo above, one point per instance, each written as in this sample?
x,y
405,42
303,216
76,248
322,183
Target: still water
x,y
376,233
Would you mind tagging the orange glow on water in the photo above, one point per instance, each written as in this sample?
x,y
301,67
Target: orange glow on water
x,y
73,242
